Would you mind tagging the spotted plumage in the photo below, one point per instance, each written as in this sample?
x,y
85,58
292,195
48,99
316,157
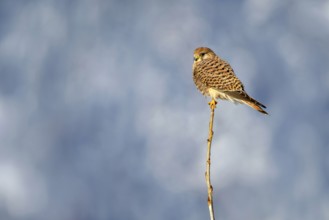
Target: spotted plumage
x,y
215,77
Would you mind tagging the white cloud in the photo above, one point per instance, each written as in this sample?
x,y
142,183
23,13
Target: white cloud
x,y
106,104
22,191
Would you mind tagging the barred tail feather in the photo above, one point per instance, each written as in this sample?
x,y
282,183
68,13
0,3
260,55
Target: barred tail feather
x,y
243,97
257,106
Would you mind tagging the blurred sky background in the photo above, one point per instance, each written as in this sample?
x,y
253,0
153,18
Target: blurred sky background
x,y
100,118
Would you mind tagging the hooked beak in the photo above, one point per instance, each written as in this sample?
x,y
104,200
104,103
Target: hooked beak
x,y
196,57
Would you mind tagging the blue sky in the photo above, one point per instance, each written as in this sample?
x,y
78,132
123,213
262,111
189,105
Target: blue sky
x,y
100,119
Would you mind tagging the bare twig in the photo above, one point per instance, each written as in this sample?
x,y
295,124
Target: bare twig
x,y
212,105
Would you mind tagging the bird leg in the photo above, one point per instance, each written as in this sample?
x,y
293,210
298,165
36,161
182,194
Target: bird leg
x,y
212,104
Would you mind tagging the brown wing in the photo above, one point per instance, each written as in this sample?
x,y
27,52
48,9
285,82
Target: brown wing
x,y
218,74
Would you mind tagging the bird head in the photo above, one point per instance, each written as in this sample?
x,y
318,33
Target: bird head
x,y
203,53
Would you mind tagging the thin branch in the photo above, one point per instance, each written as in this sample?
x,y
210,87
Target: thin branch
x,y
212,105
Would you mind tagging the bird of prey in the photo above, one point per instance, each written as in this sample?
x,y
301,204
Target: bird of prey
x,y
215,77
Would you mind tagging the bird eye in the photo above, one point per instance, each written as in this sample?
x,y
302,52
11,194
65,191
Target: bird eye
x,y
202,54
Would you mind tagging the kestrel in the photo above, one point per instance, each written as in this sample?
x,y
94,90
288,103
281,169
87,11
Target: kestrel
x,y
215,77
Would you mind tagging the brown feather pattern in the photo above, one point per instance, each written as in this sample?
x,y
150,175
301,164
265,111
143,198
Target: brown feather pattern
x,y
211,73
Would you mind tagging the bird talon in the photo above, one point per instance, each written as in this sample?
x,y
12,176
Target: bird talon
x,y
212,104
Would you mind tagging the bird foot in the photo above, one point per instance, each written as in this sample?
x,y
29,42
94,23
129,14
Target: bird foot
x,y
212,104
